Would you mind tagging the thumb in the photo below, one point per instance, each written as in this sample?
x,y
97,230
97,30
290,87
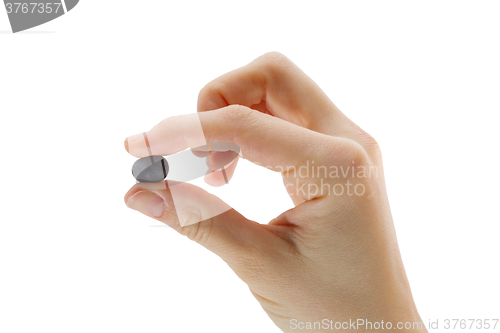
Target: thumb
x,y
209,221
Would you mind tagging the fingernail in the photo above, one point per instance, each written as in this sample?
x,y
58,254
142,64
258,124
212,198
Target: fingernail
x,y
132,139
148,203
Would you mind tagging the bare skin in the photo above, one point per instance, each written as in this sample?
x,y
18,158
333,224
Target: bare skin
x,y
334,255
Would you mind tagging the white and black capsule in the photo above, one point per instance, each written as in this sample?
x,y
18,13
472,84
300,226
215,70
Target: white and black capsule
x,y
151,169
186,165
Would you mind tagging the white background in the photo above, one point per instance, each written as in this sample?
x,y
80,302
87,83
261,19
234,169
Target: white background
x,y
423,78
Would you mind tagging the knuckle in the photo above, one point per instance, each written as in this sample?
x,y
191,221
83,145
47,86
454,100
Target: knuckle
x,y
167,122
353,153
367,141
374,149
357,154
199,232
238,113
205,92
208,94
275,62
273,56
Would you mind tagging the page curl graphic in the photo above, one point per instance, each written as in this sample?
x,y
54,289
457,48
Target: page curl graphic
x,y
25,14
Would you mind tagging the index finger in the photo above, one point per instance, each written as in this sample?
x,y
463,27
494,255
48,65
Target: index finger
x,y
264,140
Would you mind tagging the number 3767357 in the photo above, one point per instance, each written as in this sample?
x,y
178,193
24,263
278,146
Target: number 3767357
x,y
33,8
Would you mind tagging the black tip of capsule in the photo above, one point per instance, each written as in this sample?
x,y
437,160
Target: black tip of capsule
x,y
164,167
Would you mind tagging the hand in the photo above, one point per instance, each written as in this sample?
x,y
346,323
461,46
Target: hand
x,y
335,255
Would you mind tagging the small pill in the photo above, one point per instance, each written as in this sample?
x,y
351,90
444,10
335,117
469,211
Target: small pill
x,y
186,165
151,169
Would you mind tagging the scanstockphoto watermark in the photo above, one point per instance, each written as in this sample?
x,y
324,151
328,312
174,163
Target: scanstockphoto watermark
x,y
357,324
312,180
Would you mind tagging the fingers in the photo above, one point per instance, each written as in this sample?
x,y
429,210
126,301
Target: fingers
x,y
221,177
228,234
181,204
273,84
268,141
264,140
222,158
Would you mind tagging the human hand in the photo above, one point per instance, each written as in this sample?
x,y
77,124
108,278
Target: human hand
x,y
335,255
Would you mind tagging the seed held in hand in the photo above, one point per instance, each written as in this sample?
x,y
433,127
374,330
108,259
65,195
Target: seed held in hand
x,y
151,169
